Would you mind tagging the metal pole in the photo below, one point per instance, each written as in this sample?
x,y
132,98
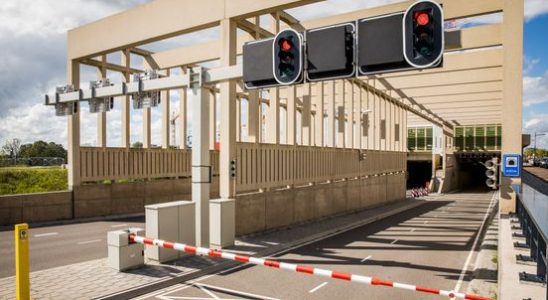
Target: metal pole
x,y
22,281
201,167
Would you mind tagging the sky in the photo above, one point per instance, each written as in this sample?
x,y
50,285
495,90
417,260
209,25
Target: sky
x,y
33,39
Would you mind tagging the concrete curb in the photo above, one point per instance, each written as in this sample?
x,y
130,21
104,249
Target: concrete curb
x,y
76,221
272,252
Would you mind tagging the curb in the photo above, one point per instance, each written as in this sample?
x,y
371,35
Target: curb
x,y
273,251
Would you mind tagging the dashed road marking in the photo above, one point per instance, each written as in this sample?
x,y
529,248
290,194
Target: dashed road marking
x,y
368,257
118,225
412,230
88,242
393,242
46,234
318,287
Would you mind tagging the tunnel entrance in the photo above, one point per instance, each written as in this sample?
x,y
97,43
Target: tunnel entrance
x,y
472,172
419,173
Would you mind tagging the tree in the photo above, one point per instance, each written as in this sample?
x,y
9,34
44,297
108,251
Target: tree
x,y
137,145
12,148
43,149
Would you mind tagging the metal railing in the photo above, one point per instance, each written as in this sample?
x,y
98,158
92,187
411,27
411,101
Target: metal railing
x,y
535,239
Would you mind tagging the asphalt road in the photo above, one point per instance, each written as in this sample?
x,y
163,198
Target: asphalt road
x,y
429,246
54,246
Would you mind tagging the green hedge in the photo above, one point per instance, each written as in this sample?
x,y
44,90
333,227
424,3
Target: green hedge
x,y
32,180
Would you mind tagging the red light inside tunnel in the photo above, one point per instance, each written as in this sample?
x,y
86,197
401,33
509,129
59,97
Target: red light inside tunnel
x,y
422,18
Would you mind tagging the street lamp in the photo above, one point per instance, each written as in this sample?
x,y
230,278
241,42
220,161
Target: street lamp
x,y
535,145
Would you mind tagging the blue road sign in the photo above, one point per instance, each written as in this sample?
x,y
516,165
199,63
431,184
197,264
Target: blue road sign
x,y
511,165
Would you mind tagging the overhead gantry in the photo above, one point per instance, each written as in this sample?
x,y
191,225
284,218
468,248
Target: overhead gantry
x,y
310,150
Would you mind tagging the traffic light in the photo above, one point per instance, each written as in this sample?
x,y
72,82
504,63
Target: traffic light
x,y
330,52
423,34
401,41
258,64
492,173
288,57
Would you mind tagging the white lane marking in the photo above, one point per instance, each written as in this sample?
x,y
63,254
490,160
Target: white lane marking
x,y
318,287
89,242
46,234
412,230
118,225
425,222
368,257
210,293
222,289
470,254
393,242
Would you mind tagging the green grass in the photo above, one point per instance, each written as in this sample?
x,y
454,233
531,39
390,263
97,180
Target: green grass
x,y
22,180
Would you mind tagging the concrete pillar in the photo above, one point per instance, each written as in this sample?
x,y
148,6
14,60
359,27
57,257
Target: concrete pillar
x,y
512,38
349,95
228,110
183,115
319,119
254,117
102,116
126,135
291,127
273,113
201,165
331,112
306,115
73,129
341,118
212,96
166,115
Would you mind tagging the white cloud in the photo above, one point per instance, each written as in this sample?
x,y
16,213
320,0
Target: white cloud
x,y
537,123
535,8
535,89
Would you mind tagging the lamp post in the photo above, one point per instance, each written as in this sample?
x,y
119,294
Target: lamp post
x,y
535,145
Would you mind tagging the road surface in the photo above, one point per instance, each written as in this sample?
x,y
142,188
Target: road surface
x,y
55,246
428,246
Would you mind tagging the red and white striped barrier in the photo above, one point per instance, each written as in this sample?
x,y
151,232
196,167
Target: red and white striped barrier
x,y
296,268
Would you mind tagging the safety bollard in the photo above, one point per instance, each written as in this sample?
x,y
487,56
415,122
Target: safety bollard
x,y
22,281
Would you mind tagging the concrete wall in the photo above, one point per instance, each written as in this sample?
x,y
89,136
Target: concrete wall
x,y
94,200
254,212
35,207
262,211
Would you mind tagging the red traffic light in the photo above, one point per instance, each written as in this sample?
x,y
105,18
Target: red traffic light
x,y
285,45
422,18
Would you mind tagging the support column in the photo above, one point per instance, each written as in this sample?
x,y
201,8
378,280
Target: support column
x,y
126,136
102,116
331,113
183,115
254,117
212,95
306,115
201,166
318,130
228,110
341,118
512,38
73,130
291,127
164,95
273,113
350,99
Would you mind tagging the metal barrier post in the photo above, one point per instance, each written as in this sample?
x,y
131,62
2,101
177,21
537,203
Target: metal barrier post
x,y
22,281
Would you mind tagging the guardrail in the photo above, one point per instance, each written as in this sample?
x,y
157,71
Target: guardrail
x,y
535,238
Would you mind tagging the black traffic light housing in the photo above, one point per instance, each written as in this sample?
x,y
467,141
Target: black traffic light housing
x,y
288,57
258,64
423,38
331,52
413,39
